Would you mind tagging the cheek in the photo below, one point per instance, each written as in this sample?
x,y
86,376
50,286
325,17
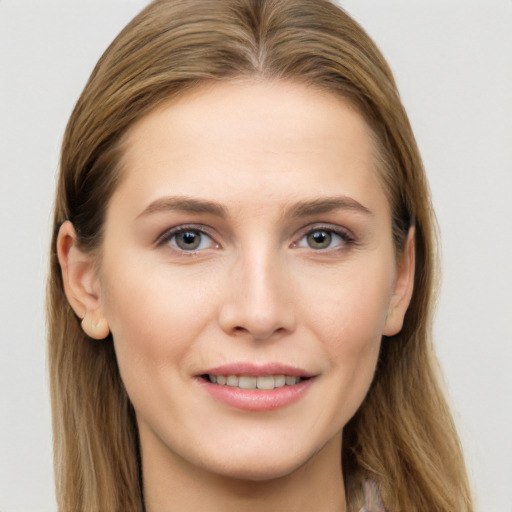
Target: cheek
x,y
154,316
348,319
351,311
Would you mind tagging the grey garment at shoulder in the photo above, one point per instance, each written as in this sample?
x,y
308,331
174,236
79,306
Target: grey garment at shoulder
x,y
372,502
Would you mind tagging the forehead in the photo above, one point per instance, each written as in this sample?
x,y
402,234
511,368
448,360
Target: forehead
x,y
252,139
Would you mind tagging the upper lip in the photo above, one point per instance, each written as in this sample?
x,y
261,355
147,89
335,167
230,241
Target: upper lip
x,y
257,369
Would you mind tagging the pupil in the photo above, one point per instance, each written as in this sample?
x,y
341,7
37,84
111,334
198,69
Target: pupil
x,y
319,239
188,240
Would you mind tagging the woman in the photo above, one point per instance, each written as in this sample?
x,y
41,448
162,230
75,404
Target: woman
x,y
243,272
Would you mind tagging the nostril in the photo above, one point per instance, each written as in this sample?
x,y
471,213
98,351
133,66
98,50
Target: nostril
x,y
243,318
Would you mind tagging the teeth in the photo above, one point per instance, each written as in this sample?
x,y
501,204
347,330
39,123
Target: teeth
x,y
232,380
279,381
251,382
246,382
266,382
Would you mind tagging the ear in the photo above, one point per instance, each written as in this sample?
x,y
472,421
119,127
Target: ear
x,y
81,283
402,289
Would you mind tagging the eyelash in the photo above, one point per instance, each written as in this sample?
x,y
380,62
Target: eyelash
x,y
167,237
346,238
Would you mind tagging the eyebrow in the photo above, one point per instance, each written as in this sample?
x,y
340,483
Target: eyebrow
x,y
327,204
300,209
186,205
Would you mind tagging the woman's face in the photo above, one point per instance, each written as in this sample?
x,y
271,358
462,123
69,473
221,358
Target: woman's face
x,y
248,245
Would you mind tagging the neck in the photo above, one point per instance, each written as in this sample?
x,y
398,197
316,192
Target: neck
x,y
172,484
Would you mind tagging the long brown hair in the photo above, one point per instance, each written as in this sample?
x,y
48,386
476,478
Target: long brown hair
x,y
403,435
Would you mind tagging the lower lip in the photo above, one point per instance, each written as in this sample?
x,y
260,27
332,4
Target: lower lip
x,y
258,400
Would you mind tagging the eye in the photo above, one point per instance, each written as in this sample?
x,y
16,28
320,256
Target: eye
x,y
187,239
323,238
319,239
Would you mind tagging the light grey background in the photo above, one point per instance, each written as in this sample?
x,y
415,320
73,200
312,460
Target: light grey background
x,y
453,63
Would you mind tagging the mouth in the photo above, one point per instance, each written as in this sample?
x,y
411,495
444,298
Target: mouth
x,y
256,387
263,382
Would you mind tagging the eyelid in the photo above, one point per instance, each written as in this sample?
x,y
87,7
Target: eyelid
x,y
341,231
180,228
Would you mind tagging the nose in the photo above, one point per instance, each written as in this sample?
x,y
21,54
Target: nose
x,y
258,299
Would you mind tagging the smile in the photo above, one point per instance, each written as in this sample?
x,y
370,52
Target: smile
x,y
267,382
256,387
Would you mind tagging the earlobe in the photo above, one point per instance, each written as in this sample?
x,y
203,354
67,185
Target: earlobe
x,y
81,285
402,289
96,328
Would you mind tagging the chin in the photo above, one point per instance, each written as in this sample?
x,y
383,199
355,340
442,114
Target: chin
x,y
276,464
258,468
261,473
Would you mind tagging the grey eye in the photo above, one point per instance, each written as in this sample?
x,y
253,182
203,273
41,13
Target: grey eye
x,y
320,239
190,240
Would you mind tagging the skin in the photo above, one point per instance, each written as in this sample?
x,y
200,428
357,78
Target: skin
x,y
256,289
